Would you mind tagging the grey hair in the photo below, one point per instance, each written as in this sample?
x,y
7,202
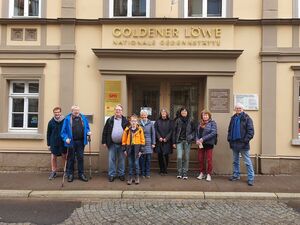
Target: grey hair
x,y
144,111
239,105
75,107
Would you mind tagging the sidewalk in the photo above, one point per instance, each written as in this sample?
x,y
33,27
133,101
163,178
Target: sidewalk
x,y
38,185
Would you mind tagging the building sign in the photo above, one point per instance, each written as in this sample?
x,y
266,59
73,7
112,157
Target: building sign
x,y
219,100
166,36
249,101
112,96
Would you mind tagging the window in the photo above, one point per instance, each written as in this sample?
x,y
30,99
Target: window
x,y
129,8
25,8
23,105
204,8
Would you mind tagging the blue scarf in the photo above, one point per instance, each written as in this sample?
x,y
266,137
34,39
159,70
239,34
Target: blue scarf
x,y
236,128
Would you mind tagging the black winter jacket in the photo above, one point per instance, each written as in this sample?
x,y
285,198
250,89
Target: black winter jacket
x,y
190,130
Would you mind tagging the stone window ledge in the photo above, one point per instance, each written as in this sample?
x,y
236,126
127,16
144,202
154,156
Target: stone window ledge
x,y
28,136
296,141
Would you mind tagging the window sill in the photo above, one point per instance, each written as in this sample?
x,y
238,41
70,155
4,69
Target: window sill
x,y
28,136
296,141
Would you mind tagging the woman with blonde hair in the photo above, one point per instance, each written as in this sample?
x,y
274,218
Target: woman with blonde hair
x,y
206,138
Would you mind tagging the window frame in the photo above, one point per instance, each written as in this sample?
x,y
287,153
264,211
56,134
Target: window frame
x,y
129,10
204,7
26,96
26,9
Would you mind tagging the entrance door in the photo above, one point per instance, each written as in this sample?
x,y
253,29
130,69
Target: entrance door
x,y
146,96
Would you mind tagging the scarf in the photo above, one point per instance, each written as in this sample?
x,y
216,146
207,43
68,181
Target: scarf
x,y
236,128
61,118
204,123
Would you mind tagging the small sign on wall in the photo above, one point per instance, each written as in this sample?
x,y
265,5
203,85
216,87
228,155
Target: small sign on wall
x,y
219,100
249,101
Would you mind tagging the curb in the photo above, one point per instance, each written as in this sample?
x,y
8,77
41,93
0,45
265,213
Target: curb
x,y
107,194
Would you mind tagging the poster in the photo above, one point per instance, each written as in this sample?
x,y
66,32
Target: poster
x,y
249,101
112,96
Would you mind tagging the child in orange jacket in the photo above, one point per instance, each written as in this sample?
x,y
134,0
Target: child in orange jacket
x,y
133,141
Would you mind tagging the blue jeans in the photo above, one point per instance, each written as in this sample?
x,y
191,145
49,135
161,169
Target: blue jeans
x,y
236,163
183,164
145,161
76,151
116,158
133,163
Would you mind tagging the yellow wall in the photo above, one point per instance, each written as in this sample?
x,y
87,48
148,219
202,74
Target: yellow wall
x,y
93,9
165,9
285,8
53,8
284,108
51,100
247,79
87,77
247,9
53,35
284,36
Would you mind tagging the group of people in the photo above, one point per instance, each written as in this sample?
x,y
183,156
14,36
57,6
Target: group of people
x,y
137,138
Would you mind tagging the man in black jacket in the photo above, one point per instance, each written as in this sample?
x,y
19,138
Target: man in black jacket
x,y
112,139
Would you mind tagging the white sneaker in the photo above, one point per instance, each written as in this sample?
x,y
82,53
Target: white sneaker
x,y
201,176
185,177
208,177
179,176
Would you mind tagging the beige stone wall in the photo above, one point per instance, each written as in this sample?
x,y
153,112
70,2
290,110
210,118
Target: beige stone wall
x,y
87,77
247,9
53,35
247,79
93,9
285,8
54,9
165,9
51,100
284,110
23,42
284,36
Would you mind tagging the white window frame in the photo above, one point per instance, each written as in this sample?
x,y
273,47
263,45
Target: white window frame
x,y
26,3
26,95
204,7
129,10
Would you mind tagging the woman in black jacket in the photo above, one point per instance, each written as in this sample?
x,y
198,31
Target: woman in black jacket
x,y
163,129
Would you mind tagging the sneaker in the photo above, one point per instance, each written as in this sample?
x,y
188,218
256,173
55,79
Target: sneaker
x,y
122,178
201,176
52,175
137,180
148,177
233,178
208,177
129,181
250,182
185,177
179,176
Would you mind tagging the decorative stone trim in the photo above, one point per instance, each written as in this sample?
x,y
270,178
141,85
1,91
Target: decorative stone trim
x,y
16,34
30,34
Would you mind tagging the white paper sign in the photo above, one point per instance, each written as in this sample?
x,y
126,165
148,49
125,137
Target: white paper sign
x,y
249,101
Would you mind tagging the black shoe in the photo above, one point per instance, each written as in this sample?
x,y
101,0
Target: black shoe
x,y
70,178
122,178
250,182
111,178
83,178
233,178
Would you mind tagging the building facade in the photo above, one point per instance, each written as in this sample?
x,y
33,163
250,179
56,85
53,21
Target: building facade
x,y
204,54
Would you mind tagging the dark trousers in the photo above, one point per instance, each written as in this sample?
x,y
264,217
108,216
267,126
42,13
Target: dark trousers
x,y
163,161
77,151
145,163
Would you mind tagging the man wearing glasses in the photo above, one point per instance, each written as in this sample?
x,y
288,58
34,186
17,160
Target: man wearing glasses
x,y
112,140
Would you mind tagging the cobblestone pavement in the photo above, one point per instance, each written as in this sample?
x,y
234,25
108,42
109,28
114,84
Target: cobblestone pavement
x,y
184,212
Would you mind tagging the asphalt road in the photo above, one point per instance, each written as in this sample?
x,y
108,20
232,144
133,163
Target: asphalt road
x,y
141,211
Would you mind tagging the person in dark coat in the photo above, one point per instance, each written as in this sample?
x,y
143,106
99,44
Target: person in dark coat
x,y
112,140
240,132
54,141
164,130
183,136
206,138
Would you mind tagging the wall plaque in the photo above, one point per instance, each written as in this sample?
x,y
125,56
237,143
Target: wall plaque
x,y
249,101
219,100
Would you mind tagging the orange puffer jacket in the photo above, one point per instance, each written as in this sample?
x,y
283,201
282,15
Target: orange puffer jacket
x,y
138,137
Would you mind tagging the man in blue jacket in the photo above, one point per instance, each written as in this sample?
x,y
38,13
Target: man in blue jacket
x,y
240,132
74,134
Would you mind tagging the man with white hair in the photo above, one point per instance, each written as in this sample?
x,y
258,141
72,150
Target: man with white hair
x,y
240,132
75,132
